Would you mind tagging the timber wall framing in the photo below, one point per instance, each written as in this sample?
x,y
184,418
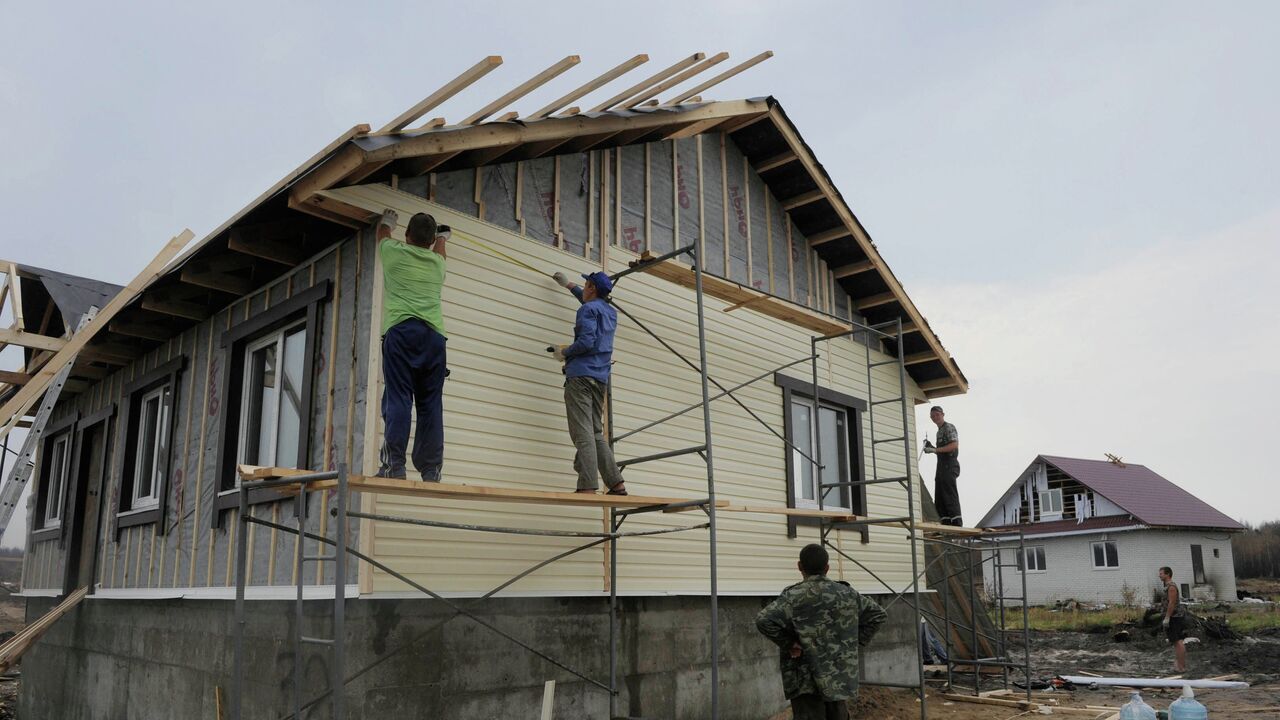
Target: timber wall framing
x,y
189,552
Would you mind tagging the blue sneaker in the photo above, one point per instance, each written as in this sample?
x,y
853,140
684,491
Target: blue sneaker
x,y
432,475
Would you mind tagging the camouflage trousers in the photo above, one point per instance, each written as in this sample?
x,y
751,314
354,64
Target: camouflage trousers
x,y
813,707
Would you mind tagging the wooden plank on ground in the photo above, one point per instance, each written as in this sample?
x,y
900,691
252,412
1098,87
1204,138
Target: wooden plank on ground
x,y
450,491
1020,704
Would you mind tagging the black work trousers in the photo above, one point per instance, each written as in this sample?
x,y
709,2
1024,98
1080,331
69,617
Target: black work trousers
x,y
946,497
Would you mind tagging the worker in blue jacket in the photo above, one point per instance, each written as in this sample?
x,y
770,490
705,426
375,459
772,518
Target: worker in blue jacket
x,y
586,370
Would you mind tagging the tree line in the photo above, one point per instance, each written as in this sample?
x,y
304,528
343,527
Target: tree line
x,y
1257,551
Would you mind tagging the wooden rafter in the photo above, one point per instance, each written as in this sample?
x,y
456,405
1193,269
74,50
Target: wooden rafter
x,y
653,79
861,266
235,284
260,242
875,300
590,86
777,161
34,341
803,199
827,236
15,289
168,305
855,229
676,79
21,401
446,91
147,331
523,89
720,78
918,358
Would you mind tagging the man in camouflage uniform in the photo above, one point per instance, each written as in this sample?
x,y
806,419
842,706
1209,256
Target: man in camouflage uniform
x,y
819,625
946,497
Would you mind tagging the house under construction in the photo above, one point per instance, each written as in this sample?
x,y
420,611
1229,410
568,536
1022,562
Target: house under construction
x,y
766,364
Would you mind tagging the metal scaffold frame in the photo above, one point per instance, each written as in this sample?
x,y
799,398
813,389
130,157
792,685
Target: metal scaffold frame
x,y
339,480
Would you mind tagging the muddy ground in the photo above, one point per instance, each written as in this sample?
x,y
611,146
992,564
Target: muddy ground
x,y
1256,660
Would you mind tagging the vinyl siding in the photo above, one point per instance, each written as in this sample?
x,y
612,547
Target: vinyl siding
x,y
505,427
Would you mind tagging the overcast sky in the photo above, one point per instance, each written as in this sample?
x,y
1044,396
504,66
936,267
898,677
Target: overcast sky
x,y
1082,197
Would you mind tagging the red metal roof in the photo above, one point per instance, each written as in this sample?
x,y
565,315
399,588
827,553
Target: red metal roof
x,y
1142,493
1069,525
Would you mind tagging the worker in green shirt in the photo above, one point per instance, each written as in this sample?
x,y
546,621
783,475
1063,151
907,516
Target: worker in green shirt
x,y
413,344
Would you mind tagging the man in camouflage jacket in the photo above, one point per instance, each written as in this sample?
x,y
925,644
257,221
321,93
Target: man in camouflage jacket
x,y
819,625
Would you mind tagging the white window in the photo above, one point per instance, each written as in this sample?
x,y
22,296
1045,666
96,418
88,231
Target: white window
x,y
835,454
59,464
271,404
1032,559
1105,555
152,448
1050,503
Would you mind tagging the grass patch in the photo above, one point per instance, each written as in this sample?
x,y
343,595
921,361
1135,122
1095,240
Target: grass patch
x,y
1245,619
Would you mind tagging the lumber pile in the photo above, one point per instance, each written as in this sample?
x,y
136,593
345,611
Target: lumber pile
x,y
13,649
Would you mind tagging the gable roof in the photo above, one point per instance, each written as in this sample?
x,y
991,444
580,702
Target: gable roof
x,y
1139,491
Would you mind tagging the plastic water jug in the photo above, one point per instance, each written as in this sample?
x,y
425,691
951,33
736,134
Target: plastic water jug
x,y
1187,708
1135,709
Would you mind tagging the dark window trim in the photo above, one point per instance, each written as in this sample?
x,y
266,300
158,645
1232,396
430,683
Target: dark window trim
x,y
104,418
305,304
52,430
165,374
855,408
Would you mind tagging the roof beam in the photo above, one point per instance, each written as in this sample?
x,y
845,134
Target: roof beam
x,y
721,77
801,200
921,357
243,241
220,281
471,138
875,300
523,89
330,173
21,338
146,331
14,378
15,289
446,91
776,161
167,305
671,82
861,266
698,128
653,79
583,90
828,235
937,384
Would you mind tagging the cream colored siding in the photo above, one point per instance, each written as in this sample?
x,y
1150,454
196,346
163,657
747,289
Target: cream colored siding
x,y
504,426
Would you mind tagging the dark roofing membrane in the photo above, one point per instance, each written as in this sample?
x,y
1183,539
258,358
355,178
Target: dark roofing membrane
x,y
1062,526
1144,494
72,294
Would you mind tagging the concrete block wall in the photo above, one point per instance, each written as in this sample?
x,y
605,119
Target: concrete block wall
x,y
1069,573
163,659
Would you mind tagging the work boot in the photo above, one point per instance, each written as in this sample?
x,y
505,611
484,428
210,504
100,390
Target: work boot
x,y
392,472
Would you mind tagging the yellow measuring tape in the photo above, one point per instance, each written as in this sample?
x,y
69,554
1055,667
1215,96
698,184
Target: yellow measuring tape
x,y
495,252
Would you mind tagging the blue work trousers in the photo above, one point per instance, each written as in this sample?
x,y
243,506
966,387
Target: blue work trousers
x,y
413,369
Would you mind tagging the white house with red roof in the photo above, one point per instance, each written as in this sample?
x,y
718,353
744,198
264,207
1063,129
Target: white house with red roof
x,y
1099,531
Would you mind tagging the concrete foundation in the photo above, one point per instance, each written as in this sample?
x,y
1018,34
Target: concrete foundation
x,y
163,659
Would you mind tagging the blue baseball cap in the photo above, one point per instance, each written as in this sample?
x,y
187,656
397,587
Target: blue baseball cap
x,y
602,282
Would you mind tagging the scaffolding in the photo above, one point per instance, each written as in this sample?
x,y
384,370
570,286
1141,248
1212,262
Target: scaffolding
x,y
620,509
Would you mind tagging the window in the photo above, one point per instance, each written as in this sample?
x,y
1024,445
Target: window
x,y
1105,555
267,380
1050,502
1215,552
1032,559
271,403
834,426
57,464
833,439
150,408
153,445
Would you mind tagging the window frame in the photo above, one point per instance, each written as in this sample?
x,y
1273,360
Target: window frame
x,y
1034,551
42,527
163,411
276,339
303,307
128,512
1050,514
1093,556
794,390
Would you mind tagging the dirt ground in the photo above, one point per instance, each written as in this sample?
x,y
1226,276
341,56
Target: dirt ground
x,y
1256,660
12,619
